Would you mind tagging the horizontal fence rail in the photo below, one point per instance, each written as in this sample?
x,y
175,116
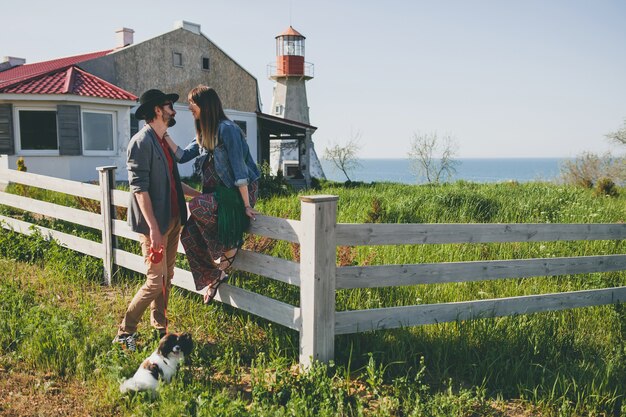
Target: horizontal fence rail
x,y
395,317
414,234
316,273
398,275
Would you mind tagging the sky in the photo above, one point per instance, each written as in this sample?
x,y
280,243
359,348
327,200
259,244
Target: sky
x,y
532,78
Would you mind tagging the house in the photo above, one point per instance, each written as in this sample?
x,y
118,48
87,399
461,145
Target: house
x,y
63,120
175,61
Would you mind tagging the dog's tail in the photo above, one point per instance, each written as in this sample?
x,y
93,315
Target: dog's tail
x,y
137,384
128,385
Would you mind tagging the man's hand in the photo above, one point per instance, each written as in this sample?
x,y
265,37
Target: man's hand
x,y
156,239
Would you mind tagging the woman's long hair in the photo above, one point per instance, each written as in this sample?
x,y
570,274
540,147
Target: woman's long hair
x,y
211,114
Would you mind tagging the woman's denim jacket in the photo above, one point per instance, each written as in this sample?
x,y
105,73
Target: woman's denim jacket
x,y
233,162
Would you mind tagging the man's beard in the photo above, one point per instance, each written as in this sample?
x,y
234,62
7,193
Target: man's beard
x,y
171,121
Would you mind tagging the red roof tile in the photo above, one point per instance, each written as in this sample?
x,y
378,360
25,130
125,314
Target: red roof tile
x,y
72,80
27,71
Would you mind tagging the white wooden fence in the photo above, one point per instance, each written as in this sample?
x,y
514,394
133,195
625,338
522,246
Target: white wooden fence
x,y
317,275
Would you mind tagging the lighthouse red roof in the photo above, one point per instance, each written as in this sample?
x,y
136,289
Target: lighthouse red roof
x,y
290,31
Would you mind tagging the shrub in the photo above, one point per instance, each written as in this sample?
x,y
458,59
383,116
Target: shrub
x,y
587,169
376,213
272,185
606,186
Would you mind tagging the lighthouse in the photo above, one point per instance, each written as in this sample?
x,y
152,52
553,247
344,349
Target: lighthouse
x,y
289,101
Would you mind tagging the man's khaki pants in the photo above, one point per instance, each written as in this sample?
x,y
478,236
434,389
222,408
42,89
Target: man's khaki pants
x,y
155,291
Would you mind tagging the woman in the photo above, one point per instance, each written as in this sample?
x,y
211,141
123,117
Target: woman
x,y
220,214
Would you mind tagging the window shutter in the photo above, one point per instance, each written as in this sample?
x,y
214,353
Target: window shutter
x,y
7,145
134,125
70,134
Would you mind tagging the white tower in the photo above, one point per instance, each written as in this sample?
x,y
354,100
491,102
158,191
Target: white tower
x,y
289,101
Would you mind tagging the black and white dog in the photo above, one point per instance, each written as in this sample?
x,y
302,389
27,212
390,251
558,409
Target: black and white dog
x,y
162,364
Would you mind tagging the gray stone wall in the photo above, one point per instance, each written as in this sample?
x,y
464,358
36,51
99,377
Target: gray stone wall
x,y
149,64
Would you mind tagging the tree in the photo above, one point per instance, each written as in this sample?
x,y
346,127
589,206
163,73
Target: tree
x,y
432,156
619,136
344,158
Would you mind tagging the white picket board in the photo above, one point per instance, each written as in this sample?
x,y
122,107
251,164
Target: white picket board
x,y
275,228
69,214
78,244
437,273
394,317
257,304
268,266
60,185
120,198
400,234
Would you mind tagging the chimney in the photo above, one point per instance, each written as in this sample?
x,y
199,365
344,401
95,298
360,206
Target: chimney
x,y
9,62
191,27
124,37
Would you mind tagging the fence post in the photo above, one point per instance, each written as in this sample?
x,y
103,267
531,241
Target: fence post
x,y
318,256
107,184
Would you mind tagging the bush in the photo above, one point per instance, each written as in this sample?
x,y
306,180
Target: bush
x,y
589,168
273,185
606,187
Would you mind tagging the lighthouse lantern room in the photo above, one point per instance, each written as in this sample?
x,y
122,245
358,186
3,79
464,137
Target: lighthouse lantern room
x,y
290,53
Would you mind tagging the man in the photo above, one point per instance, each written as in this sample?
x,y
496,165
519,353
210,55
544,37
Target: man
x,y
157,210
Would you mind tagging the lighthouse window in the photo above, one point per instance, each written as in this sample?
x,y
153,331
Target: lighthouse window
x,y
205,63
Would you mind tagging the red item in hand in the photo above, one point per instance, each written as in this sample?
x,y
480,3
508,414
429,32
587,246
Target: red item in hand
x,y
156,256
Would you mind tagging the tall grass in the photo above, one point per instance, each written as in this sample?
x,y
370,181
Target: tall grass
x,y
56,317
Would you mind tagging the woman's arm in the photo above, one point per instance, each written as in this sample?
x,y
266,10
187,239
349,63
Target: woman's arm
x,y
250,212
232,137
170,142
183,155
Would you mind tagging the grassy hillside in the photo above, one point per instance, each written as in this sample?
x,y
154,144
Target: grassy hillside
x,y
57,324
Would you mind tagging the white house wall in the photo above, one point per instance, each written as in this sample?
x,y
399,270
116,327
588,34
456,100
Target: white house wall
x,y
83,167
79,167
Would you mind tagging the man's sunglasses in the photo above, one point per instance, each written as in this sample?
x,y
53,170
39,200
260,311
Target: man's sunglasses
x,y
168,104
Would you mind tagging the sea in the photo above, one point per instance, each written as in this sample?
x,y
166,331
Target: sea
x,y
480,170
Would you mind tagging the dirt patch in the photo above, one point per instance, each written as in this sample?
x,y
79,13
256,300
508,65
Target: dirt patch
x,y
27,394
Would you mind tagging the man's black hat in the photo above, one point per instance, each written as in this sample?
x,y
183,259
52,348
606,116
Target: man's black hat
x,y
152,98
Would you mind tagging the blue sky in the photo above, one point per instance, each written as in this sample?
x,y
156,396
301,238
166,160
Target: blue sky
x,y
505,78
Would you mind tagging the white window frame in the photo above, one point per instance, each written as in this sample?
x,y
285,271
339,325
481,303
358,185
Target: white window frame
x,y
113,114
18,133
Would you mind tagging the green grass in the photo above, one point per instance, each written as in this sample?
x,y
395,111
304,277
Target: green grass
x,y
57,318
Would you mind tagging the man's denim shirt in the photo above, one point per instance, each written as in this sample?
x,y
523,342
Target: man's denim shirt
x,y
233,162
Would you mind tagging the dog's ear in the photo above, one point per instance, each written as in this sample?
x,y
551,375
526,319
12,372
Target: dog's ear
x,y
186,343
167,343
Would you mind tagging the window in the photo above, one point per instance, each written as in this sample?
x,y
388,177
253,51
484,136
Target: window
x,y
205,64
177,59
242,125
38,130
98,128
278,109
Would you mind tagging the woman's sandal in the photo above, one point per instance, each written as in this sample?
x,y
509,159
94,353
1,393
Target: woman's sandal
x,y
227,261
211,291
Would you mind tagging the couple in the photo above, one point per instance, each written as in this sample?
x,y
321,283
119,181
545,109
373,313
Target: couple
x,y
218,216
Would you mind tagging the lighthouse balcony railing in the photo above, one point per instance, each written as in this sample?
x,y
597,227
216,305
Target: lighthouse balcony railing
x,y
309,71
